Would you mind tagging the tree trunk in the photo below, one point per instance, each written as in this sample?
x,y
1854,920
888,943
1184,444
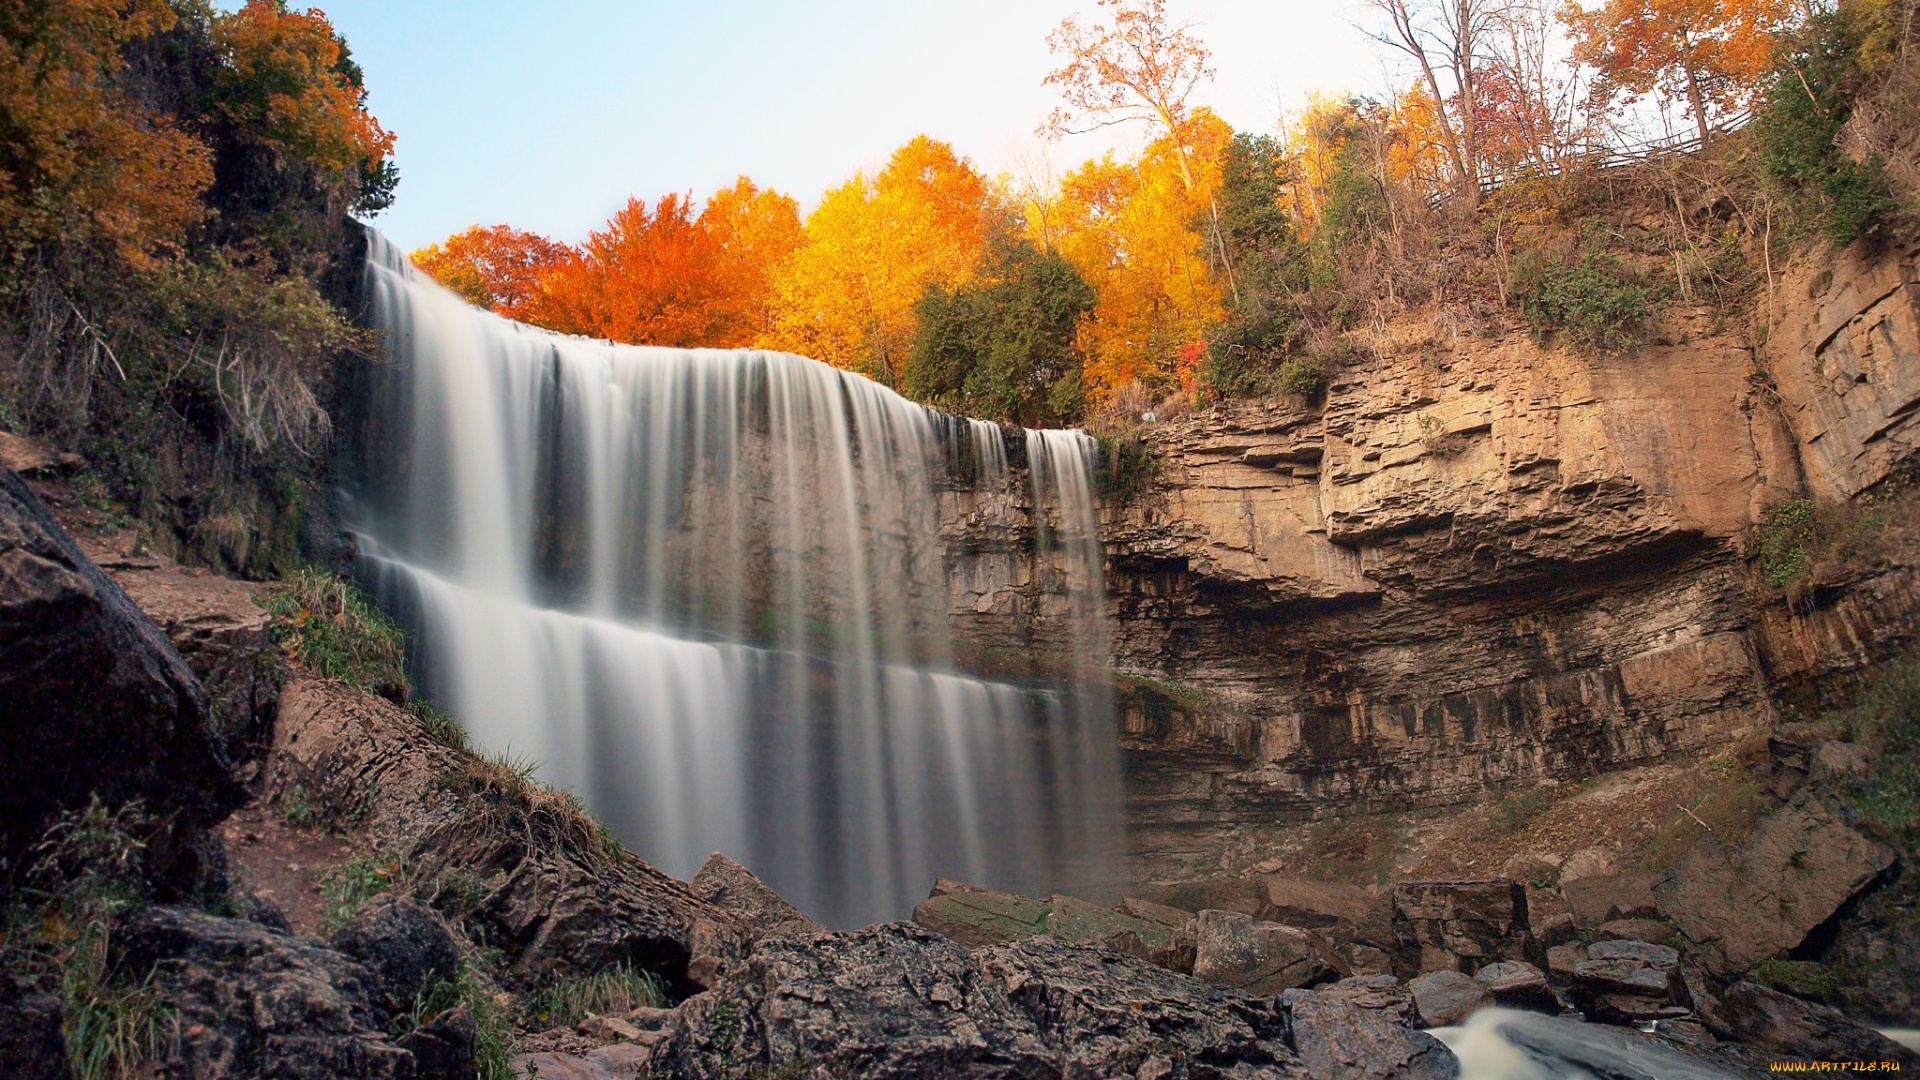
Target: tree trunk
x,y
1698,104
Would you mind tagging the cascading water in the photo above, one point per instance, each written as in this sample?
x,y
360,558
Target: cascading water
x,y
706,590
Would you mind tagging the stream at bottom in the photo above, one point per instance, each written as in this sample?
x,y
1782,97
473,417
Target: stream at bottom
x,y
1507,1044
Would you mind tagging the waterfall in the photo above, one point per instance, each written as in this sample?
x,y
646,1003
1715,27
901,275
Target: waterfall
x,y
708,590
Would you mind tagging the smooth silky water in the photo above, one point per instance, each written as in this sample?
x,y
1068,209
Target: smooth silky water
x,y
707,590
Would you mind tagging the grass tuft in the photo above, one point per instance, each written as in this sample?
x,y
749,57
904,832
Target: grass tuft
x,y
616,991
348,887
326,622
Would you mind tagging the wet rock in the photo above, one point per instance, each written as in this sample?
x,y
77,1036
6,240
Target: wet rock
x,y
1517,985
1259,958
442,1048
1447,997
31,1045
890,1001
1459,924
1104,1014
405,945
1760,898
1337,1040
1504,1042
254,1002
731,887
94,701
1794,1028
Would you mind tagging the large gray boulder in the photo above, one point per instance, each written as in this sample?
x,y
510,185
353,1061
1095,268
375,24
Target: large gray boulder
x,y
890,1002
1106,1014
1338,1040
253,1002
405,945
1446,997
95,702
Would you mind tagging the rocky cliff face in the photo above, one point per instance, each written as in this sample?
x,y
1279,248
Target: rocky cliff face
x,y
1480,562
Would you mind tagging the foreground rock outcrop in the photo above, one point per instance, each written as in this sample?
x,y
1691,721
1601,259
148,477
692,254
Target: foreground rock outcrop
x,y
96,703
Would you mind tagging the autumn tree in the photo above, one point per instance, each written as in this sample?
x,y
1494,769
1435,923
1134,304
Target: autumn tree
x,y
495,267
1002,346
651,277
80,159
870,250
755,233
1130,229
1447,40
1712,54
1135,67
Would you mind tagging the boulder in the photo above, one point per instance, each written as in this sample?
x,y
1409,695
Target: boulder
x,y
1260,958
1602,898
1588,862
1446,997
1172,918
1634,930
976,917
731,887
219,629
1758,899
405,945
30,457
1791,1027
31,1044
1561,960
255,1002
94,701
1459,925
1105,1014
1627,982
890,1001
1383,994
1337,1040
1295,901
1517,985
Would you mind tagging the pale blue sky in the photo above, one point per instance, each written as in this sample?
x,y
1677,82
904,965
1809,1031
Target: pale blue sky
x,y
548,115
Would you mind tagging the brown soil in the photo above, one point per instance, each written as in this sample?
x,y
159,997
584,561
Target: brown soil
x,y
278,861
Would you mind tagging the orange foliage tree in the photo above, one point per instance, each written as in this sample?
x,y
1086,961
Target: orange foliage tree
x,y
78,159
871,248
286,80
1710,53
1129,228
496,267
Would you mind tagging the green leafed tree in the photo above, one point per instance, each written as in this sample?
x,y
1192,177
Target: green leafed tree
x,y
1002,346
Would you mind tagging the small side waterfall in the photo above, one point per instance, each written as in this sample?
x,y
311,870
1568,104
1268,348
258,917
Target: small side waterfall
x,y
707,590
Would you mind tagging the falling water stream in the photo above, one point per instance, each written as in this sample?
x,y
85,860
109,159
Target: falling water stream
x,y
708,590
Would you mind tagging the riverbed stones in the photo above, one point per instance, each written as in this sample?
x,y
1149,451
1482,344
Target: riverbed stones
x,y
1517,984
1626,982
1446,997
95,702
1459,925
1260,958
1741,903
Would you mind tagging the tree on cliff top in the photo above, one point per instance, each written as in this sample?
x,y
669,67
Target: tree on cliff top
x,y
1713,54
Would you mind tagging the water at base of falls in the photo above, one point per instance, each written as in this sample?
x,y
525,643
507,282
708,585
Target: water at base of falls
x,y
708,590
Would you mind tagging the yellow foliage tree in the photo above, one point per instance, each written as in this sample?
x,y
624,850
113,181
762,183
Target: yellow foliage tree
x,y
869,252
1134,231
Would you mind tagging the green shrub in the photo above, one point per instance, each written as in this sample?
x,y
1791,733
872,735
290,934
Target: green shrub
x,y
440,724
1802,978
1127,465
1306,375
1591,302
329,624
1799,538
1884,720
115,1032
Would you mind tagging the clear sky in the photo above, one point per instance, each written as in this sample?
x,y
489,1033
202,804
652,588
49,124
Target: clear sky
x,y
548,114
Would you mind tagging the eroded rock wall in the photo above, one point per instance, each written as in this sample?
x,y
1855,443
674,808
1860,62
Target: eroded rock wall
x,y
1479,562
